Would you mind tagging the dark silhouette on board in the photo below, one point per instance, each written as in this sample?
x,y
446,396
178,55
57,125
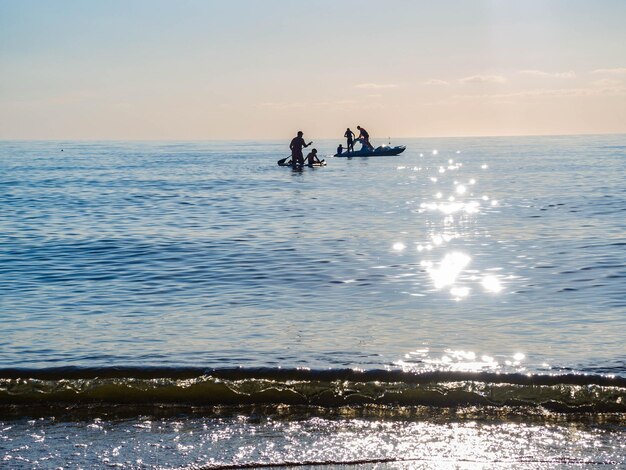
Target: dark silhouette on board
x,y
311,158
364,137
349,135
296,146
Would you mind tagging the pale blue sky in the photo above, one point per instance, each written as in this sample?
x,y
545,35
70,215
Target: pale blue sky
x,y
254,69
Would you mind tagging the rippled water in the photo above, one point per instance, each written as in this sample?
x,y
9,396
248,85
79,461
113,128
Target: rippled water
x,y
483,254
210,254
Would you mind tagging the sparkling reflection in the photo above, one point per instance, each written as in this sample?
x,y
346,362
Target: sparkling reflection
x,y
449,269
451,206
459,292
450,216
459,360
491,284
395,438
459,208
399,246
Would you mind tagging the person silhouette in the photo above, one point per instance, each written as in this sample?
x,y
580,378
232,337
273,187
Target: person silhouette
x,y
365,137
296,145
311,158
349,135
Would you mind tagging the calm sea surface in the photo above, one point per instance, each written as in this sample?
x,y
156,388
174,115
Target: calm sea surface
x,y
495,256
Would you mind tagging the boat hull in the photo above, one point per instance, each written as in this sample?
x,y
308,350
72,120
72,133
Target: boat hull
x,y
377,152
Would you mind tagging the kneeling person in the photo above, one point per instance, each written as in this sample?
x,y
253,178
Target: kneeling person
x,y
311,158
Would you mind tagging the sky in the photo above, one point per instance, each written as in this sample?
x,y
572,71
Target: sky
x,y
244,69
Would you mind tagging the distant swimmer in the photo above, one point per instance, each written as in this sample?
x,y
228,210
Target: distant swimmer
x,y
364,137
311,158
296,145
349,135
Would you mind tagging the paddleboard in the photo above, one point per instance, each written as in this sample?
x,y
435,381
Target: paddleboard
x,y
314,165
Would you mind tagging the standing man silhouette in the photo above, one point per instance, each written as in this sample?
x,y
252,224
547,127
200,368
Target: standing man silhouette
x,y
296,145
349,135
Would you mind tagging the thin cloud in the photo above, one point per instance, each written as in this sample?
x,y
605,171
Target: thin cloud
x,y
375,86
539,94
607,82
615,71
541,73
285,105
483,79
543,93
436,81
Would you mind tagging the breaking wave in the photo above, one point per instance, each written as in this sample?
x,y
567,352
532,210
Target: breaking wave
x,y
319,388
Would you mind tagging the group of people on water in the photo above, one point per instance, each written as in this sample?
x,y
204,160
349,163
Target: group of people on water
x,y
296,146
298,143
363,137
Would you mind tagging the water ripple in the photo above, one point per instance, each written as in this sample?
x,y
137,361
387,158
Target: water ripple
x,y
208,253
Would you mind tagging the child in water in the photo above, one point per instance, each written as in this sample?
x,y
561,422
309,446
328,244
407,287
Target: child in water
x,y
311,158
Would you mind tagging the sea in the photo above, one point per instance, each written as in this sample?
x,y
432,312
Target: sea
x,y
193,305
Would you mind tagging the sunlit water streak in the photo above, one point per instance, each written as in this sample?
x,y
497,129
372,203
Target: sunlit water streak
x,y
503,255
213,442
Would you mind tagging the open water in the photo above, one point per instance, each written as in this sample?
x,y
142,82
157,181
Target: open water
x,y
194,305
